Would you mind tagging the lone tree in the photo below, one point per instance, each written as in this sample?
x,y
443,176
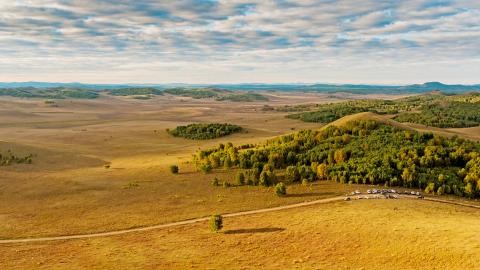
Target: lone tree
x,y
216,223
280,190
240,179
174,169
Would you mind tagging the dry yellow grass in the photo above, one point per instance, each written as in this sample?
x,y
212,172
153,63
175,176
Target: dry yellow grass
x,y
68,191
369,234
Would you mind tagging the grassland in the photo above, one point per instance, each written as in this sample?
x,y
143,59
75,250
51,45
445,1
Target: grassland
x,y
370,234
68,189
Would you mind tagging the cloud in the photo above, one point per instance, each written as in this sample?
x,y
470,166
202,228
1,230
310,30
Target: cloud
x,y
278,40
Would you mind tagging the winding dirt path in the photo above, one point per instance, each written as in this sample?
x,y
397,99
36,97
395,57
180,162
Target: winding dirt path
x,y
196,220
167,225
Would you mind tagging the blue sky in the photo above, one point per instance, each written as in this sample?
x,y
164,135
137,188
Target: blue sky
x,y
219,41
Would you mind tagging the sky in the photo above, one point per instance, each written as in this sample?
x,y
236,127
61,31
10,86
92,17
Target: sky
x,y
240,41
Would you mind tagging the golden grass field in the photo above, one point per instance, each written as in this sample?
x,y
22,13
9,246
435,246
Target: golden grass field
x,y
67,190
368,234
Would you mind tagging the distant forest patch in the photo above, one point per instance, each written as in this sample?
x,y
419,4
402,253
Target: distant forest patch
x,y
204,131
49,93
217,94
437,110
243,97
135,91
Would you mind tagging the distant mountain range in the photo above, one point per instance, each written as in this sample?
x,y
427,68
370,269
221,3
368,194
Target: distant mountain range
x,y
325,88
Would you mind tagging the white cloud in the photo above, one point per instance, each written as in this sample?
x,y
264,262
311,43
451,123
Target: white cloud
x,y
231,41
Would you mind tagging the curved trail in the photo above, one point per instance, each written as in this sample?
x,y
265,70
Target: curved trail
x,y
191,221
167,225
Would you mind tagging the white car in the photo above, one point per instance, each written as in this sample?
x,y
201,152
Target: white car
x,y
357,192
369,191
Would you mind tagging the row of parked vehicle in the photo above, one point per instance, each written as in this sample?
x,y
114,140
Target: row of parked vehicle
x,y
386,191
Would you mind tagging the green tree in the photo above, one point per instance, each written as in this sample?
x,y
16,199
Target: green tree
x,y
240,179
280,189
292,174
264,179
216,223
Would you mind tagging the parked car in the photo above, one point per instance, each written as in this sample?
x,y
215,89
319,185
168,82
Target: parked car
x,y
369,191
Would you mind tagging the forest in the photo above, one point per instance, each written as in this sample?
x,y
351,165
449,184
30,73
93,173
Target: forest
x,y
435,110
49,93
196,93
200,131
10,158
135,91
242,97
216,93
360,152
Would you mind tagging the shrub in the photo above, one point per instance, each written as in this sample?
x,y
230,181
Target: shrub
x,y
206,168
216,223
226,184
174,169
280,189
215,182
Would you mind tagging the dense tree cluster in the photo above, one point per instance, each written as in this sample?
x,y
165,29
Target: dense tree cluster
x,y
242,97
216,93
196,93
135,91
49,93
433,110
361,152
448,115
204,131
10,158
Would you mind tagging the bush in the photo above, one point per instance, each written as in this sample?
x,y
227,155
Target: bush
x,y
206,168
215,182
174,169
280,189
216,223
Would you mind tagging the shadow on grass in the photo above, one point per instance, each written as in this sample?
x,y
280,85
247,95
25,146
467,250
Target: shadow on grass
x,y
312,194
254,230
